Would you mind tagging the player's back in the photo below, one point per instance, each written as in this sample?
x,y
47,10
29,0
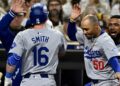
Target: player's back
x,y
41,50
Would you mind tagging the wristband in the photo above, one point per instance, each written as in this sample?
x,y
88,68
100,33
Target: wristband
x,y
8,75
72,20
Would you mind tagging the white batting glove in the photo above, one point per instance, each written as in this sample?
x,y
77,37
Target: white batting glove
x,y
7,82
1,74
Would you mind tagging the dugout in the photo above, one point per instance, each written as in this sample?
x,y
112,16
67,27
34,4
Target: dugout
x,y
71,69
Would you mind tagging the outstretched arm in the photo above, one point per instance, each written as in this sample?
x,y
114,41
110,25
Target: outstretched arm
x,y
15,54
76,11
72,31
16,8
12,61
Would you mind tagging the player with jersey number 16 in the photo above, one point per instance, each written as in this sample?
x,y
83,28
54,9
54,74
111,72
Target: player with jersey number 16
x,y
38,47
100,51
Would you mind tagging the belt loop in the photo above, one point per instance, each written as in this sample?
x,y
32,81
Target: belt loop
x,y
95,81
44,75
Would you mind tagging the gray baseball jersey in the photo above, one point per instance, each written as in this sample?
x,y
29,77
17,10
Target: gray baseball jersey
x,y
97,52
38,49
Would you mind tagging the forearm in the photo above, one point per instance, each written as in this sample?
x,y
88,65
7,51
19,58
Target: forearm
x,y
9,71
12,61
72,31
9,74
10,68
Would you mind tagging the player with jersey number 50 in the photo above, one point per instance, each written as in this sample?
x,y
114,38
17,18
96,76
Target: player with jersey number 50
x,y
39,48
100,52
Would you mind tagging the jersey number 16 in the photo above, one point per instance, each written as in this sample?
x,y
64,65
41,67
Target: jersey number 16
x,y
41,59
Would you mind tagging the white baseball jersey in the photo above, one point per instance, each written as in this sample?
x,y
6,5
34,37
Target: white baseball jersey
x,y
97,52
118,46
38,49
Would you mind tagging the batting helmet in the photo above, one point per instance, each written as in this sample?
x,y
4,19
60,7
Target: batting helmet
x,y
38,14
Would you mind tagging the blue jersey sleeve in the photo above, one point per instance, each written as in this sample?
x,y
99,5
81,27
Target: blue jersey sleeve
x,y
6,20
114,64
13,59
6,35
71,31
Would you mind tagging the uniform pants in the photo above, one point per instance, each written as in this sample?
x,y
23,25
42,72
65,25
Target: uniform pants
x,y
107,83
38,80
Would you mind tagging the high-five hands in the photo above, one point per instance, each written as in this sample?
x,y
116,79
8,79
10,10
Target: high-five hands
x,y
17,6
76,11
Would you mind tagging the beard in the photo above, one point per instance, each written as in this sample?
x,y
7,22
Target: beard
x,y
54,12
116,38
90,36
54,16
113,35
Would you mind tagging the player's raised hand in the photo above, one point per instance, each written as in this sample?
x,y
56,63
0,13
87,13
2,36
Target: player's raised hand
x,y
76,11
17,6
117,75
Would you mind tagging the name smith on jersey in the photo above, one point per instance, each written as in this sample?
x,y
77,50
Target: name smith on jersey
x,y
39,39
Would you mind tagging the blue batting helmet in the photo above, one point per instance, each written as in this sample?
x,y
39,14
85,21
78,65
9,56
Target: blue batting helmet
x,y
38,14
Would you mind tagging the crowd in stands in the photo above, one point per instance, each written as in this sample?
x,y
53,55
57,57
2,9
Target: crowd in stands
x,y
102,8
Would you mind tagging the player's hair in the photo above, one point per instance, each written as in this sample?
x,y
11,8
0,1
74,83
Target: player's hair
x,y
92,18
115,16
54,0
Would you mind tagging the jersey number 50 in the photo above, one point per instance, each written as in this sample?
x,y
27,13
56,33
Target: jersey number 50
x,y
98,65
41,59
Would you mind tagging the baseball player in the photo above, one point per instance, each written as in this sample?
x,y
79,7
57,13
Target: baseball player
x,y
100,52
38,47
10,25
114,29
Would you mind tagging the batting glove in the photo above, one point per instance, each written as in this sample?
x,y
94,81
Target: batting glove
x,y
7,82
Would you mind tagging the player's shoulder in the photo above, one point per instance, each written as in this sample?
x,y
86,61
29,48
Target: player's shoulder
x,y
25,31
105,38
